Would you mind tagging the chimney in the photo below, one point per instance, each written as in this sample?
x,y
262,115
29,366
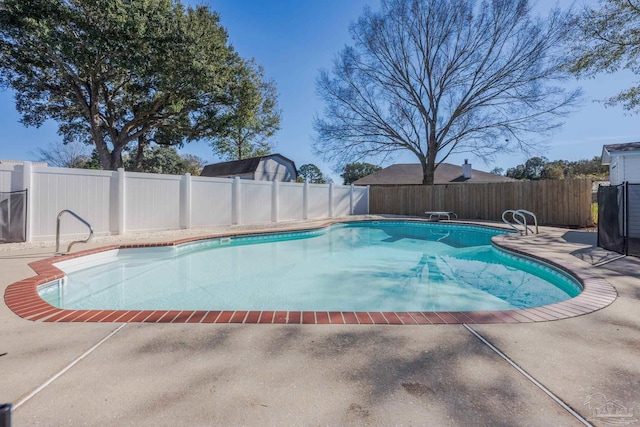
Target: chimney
x,y
466,169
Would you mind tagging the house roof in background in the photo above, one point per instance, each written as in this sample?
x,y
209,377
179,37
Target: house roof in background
x,y
238,167
608,150
446,173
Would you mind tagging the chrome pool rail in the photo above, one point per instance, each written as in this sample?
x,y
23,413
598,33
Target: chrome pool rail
x,y
75,241
519,216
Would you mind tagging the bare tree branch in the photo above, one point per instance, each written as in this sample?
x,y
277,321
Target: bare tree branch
x,y
436,77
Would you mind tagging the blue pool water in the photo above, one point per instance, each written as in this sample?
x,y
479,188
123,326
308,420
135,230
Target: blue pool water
x,y
370,266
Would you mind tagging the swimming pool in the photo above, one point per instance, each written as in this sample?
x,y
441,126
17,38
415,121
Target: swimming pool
x,y
394,266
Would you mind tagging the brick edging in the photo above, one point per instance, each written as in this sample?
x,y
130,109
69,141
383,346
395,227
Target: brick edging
x,y
23,299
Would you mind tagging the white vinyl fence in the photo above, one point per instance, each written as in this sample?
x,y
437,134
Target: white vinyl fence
x,y
121,202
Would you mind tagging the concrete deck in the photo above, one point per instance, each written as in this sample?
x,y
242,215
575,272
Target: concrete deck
x,y
225,374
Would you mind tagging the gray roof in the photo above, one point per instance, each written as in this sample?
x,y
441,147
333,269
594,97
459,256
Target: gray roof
x,y
628,147
446,173
238,167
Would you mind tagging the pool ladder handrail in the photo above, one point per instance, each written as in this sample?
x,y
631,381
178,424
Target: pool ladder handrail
x,y
519,216
75,241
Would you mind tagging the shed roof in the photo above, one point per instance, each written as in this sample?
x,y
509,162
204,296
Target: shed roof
x,y
238,167
446,173
608,150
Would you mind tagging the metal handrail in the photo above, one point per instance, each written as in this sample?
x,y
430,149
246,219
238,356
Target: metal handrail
x,y
75,241
535,218
514,215
518,216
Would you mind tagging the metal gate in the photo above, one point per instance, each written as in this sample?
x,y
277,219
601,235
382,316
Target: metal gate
x,y
13,214
619,218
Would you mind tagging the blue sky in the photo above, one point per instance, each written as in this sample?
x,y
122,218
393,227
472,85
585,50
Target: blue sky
x,y
294,39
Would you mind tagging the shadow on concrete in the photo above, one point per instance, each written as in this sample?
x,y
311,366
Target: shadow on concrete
x,y
592,254
298,375
581,237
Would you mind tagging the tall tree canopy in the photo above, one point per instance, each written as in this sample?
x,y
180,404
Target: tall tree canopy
x,y
252,118
164,159
436,77
112,72
541,168
354,171
311,173
608,40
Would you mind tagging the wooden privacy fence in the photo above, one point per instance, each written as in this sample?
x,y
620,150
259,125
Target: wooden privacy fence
x,y
564,202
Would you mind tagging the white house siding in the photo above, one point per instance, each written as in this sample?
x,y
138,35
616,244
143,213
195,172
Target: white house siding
x,y
631,168
614,171
275,169
626,168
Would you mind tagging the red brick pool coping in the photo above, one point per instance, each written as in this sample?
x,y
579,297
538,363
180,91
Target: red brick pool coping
x,y
23,299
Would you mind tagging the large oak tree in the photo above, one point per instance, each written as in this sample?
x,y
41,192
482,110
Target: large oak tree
x,y
113,71
434,77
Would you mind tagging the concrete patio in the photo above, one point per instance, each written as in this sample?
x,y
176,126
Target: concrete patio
x,y
225,374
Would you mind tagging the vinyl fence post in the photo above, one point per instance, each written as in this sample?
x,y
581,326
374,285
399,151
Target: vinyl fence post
x,y
27,184
351,200
275,202
305,200
186,201
368,199
235,201
331,200
122,223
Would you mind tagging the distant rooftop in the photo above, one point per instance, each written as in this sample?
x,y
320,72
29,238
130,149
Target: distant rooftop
x,y
234,167
408,174
610,149
241,167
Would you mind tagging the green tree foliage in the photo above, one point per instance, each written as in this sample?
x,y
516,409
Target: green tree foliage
x,y
311,173
553,170
541,168
532,169
354,171
94,161
252,119
195,164
435,77
164,159
608,40
111,72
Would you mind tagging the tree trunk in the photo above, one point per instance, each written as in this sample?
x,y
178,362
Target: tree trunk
x,y
429,163
142,142
428,171
106,159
